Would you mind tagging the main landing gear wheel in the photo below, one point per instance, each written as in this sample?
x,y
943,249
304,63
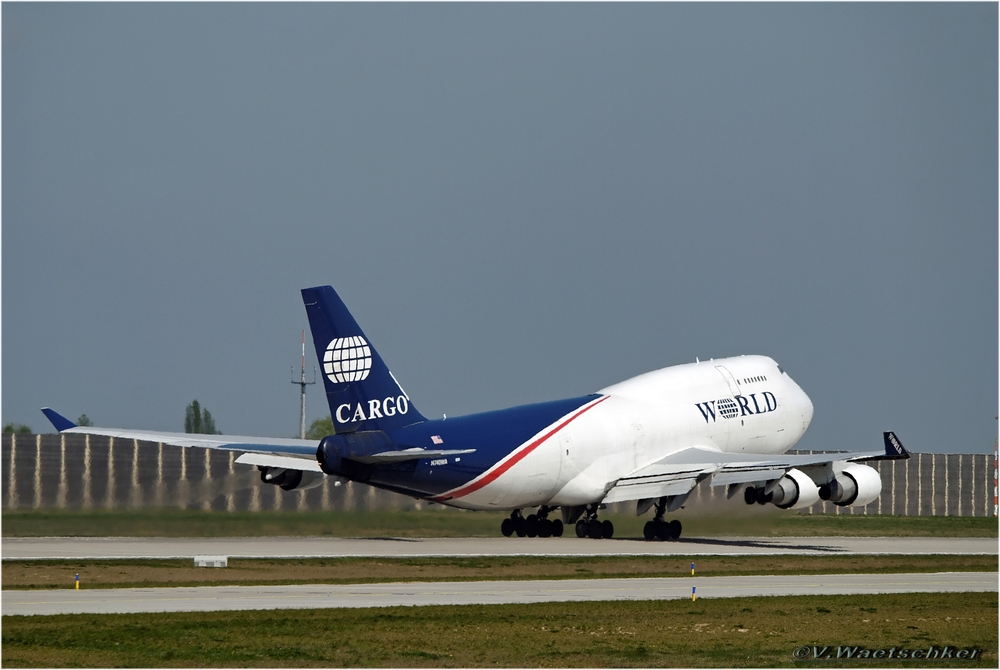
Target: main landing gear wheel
x,y
658,529
595,529
531,525
753,494
535,525
515,523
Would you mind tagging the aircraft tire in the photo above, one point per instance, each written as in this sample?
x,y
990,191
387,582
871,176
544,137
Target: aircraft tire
x,y
675,529
764,498
663,530
557,528
531,525
649,530
544,528
594,530
508,527
520,527
581,528
750,495
607,529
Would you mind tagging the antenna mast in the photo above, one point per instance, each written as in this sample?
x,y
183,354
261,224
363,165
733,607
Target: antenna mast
x,y
302,385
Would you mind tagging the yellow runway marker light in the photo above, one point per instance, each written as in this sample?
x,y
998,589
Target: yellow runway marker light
x,y
78,581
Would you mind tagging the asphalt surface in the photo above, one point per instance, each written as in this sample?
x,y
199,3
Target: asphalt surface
x,y
216,598
322,547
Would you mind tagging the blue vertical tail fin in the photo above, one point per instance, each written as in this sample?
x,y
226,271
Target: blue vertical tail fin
x,y
362,393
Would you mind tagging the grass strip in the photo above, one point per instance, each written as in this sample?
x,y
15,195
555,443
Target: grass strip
x,y
147,573
731,632
741,521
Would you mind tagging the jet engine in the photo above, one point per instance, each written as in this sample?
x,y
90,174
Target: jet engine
x,y
337,454
291,480
856,485
796,489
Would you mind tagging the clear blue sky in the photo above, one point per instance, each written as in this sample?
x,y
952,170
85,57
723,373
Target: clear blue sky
x,y
518,202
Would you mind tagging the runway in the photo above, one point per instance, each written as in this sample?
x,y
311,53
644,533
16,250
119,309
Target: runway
x,y
216,598
81,548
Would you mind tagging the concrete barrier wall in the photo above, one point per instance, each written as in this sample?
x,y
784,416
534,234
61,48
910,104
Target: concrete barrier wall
x,y
93,472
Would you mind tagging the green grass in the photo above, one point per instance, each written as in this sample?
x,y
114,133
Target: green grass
x,y
731,632
440,522
147,573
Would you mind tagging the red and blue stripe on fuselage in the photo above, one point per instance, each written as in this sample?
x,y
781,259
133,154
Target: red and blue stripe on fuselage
x,y
499,439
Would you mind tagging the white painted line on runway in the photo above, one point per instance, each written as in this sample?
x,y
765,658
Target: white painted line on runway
x,y
314,596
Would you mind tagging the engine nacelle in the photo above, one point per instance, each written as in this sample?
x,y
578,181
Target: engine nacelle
x,y
796,489
291,480
856,486
337,454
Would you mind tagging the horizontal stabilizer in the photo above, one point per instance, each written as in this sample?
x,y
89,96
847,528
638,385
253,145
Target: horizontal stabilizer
x,y
414,454
286,462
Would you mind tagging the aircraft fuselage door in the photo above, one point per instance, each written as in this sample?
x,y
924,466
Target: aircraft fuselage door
x,y
734,388
728,432
567,463
641,445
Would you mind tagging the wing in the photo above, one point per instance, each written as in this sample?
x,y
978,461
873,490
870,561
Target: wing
x,y
681,471
272,452
267,451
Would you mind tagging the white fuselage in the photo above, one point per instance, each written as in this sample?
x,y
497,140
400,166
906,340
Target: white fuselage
x,y
744,404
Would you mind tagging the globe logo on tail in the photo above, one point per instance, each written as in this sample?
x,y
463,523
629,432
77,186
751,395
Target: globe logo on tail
x,y
347,359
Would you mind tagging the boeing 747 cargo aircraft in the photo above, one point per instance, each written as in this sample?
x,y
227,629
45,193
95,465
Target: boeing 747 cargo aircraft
x,y
650,439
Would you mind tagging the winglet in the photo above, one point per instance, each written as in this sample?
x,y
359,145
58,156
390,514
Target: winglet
x,y
893,447
60,422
